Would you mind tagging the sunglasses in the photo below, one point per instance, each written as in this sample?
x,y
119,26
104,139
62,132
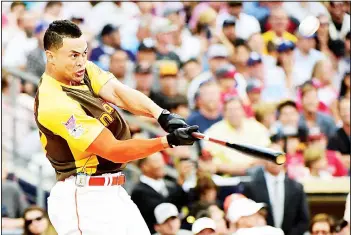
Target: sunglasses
x,y
29,222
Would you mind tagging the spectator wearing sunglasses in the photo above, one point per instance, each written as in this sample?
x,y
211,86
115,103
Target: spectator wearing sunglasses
x,y
36,222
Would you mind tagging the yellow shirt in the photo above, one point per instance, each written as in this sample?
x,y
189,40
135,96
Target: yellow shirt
x,y
271,36
70,118
252,132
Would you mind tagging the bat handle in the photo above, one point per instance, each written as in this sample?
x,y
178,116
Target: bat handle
x,y
199,135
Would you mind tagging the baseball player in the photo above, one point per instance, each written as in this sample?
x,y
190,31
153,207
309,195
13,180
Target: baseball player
x,y
88,142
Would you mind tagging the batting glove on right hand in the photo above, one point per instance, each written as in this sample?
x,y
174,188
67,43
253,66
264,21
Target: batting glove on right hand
x,y
182,136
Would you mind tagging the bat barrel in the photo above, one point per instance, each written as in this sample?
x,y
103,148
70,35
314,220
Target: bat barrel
x,y
259,152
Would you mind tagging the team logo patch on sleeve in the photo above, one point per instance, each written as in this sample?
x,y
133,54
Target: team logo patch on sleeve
x,y
73,128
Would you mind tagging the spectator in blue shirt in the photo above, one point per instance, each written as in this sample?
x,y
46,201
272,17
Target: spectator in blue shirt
x,y
110,42
209,106
310,116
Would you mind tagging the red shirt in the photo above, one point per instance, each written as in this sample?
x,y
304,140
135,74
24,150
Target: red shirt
x,y
295,165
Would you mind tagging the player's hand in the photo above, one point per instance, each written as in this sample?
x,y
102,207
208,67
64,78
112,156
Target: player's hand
x,y
171,121
182,136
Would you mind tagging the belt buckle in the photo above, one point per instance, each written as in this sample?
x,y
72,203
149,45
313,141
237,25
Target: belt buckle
x,y
81,179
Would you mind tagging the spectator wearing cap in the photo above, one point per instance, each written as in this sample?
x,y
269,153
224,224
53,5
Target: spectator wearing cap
x,y
279,22
238,128
146,51
228,28
254,91
208,102
339,22
305,57
110,41
144,78
153,189
340,141
285,198
168,221
272,79
204,226
310,116
217,55
168,73
231,82
285,61
163,30
247,217
36,59
245,25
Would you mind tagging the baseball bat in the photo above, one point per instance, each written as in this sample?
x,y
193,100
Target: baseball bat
x,y
255,151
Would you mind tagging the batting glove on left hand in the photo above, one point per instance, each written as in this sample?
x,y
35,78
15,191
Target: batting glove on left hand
x,y
171,121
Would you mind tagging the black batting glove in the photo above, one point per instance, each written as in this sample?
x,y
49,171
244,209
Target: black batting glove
x,y
171,121
182,136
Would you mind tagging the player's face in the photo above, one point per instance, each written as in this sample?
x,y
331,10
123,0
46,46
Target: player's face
x,y
70,60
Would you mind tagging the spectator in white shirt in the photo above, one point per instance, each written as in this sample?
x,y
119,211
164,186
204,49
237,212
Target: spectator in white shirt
x,y
272,78
245,25
340,20
22,42
305,57
300,10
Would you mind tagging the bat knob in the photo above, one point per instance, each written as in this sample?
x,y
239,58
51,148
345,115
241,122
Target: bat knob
x,y
281,159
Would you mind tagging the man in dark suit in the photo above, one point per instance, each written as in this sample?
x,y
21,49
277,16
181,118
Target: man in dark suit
x,y
286,200
153,189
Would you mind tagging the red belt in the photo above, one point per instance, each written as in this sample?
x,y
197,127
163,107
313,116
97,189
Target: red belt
x,y
101,180
105,180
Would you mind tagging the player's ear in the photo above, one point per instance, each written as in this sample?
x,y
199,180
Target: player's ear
x,y
50,56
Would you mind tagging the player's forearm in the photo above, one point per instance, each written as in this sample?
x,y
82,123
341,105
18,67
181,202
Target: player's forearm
x,y
134,149
106,146
138,103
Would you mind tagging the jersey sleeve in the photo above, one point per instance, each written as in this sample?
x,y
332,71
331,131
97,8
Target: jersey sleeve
x,y
73,125
97,76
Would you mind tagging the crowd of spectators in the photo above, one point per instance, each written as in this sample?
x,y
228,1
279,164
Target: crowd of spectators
x,y
240,71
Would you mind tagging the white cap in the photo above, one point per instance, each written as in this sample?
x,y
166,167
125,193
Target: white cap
x,y
347,209
165,211
242,207
217,50
203,223
265,230
162,25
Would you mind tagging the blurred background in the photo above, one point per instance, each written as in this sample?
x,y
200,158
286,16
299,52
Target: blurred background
x,y
239,70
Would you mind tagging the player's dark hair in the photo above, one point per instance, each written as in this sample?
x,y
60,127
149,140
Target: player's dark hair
x,y
57,31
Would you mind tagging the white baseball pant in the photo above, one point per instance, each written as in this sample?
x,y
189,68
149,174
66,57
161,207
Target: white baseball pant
x,y
93,210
